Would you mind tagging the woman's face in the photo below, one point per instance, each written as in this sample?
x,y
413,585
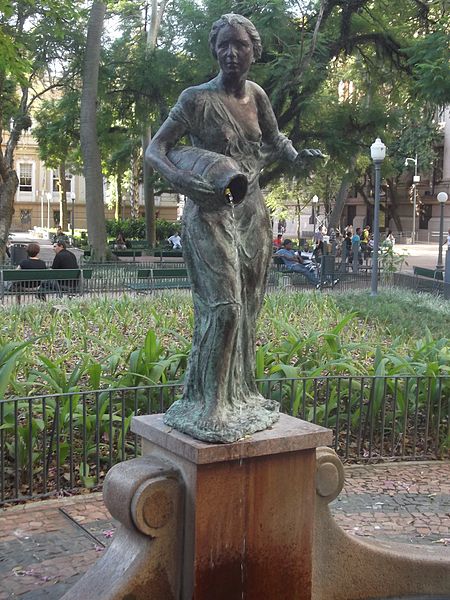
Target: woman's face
x,y
234,50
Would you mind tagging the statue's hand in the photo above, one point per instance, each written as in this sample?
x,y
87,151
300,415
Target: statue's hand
x,y
308,155
312,153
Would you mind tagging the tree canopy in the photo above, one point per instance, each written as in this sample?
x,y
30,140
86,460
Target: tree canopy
x,y
338,73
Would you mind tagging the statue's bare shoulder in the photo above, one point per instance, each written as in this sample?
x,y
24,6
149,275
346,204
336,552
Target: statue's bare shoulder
x,y
260,96
196,93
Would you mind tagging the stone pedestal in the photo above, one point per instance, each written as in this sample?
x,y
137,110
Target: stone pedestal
x,y
249,509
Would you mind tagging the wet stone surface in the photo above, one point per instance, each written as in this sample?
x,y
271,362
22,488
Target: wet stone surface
x,y
43,553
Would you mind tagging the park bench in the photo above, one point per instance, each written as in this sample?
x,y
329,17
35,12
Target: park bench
x,y
129,252
295,279
167,254
34,281
138,244
327,273
429,273
131,244
160,279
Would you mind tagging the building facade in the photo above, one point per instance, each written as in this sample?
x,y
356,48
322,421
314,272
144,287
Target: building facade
x,y
38,199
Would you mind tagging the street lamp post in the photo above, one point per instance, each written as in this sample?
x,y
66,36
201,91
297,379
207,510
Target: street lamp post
x,y
377,152
315,201
442,198
416,180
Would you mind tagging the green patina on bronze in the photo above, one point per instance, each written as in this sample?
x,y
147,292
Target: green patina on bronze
x,y
226,245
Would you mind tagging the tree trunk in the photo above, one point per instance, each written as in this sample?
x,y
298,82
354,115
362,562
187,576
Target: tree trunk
x,y
92,168
341,197
9,181
134,187
118,212
148,188
149,193
8,187
63,216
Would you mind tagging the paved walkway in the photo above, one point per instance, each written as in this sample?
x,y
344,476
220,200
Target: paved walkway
x,y
420,255
46,546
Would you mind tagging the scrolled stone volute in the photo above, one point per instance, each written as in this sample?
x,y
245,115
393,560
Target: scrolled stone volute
x,y
329,474
140,493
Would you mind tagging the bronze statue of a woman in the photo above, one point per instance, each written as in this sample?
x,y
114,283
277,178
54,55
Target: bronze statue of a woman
x,y
226,246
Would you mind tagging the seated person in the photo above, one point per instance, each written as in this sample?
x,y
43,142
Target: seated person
x,y
32,262
175,240
60,235
295,263
120,243
278,241
64,259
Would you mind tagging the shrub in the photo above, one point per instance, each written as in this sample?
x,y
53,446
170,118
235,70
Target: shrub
x,y
134,229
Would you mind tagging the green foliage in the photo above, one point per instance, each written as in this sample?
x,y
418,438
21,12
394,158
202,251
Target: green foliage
x,y
134,229
57,130
390,262
99,343
428,57
106,344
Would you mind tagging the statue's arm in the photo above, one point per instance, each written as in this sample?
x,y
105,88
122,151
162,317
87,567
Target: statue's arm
x,y
281,147
185,182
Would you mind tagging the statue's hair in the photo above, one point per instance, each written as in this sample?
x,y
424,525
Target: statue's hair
x,y
233,19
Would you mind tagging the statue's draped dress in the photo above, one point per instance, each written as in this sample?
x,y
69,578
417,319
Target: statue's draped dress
x,y
227,252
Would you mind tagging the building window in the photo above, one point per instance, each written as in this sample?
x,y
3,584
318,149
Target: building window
x,y
26,177
55,185
56,218
25,216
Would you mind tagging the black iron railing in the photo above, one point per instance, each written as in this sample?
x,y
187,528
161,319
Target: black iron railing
x,y
53,444
115,279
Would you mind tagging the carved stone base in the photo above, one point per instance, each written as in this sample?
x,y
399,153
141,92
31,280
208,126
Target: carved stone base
x,y
348,568
249,506
255,525
224,426
144,561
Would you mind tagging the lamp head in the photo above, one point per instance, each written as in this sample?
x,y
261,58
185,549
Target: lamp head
x,y
378,150
442,197
315,199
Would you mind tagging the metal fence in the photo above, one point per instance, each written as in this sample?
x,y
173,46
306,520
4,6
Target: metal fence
x,y
55,444
114,280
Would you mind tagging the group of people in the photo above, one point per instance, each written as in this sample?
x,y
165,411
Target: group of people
x,y
308,267
64,259
343,245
